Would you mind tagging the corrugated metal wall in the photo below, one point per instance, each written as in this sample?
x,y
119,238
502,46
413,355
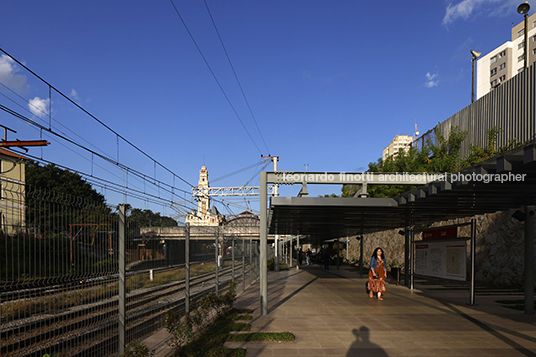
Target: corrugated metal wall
x,y
510,106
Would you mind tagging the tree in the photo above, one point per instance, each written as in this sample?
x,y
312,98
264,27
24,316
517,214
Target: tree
x,y
443,156
56,198
51,177
147,218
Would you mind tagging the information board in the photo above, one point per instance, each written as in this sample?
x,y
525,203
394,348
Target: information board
x,y
446,259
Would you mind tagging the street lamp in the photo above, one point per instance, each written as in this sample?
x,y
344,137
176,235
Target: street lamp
x,y
475,56
523,9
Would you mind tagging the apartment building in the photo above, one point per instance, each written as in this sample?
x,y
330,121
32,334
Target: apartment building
x,y
507,60
399,143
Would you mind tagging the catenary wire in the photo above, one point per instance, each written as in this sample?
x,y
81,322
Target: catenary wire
x,y
122,166
214,75
236,76
93,117
237,171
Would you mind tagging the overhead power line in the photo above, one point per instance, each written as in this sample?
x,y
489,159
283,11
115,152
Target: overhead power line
x,y
237,171
236,76
95,118
214,75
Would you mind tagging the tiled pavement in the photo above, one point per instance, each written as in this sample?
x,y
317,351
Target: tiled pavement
x,y
331,315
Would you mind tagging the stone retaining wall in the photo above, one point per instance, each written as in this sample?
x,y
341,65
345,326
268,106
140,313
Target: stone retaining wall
x,y
499,247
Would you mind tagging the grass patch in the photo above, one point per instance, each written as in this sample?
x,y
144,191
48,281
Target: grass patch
x,y
160,278
262,337
210,342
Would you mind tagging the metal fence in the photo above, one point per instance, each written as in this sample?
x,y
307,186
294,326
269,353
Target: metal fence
x,y
510,107
77,278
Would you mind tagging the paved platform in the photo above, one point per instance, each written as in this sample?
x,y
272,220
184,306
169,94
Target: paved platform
x,y
331,315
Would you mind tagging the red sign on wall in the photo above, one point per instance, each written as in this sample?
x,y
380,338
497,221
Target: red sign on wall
x,y
443,233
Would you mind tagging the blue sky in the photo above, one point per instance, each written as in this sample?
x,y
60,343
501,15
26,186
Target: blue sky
x,y
330,83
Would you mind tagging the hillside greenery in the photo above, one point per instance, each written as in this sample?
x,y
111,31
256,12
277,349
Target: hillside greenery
x,y
441,157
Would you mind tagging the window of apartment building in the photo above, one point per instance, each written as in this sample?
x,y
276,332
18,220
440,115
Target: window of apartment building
x,y
502,65
502,54
521,33
493,83
520,58
493,60
520,70
502,78
534,38
521,45
493,71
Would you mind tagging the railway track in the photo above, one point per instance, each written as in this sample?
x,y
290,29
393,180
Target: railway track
x,y
81,327
39,288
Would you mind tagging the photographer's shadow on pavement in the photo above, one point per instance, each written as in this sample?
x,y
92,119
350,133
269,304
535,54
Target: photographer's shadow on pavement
x,y
362,345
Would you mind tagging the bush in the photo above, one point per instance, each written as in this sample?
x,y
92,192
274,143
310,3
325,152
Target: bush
x,y
138,349
184,327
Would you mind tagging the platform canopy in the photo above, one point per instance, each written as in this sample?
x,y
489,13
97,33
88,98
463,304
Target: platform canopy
x,y
501,183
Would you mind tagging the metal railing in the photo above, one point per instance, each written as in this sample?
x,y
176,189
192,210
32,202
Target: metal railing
x,y
510,107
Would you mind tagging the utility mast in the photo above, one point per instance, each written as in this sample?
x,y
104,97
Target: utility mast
x,y
200,192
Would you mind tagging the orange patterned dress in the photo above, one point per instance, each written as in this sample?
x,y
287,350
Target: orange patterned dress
x,y
378,285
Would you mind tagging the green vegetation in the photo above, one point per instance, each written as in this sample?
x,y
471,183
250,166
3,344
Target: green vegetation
x,y
441,157
137,349
262,337
49,304
271,265
57,198
186,327
147,218
204,331
211,342
160,278
69,230
53,302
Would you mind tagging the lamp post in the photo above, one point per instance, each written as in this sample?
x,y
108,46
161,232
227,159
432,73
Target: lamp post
x,y
523,9
475,56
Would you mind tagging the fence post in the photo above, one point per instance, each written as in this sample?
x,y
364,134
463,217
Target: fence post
x,y
187,268
250,262
232,259
217,262
122,280
243,263
290,253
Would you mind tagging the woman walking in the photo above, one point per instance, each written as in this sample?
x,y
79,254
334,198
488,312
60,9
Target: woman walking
x,y
377,273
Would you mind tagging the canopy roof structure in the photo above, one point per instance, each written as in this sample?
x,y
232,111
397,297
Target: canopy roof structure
x,y
504,182
500,183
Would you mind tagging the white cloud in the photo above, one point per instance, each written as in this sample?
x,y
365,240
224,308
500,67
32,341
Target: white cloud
x,y
431,80
462,10
9,78
74,94
466,9
39,107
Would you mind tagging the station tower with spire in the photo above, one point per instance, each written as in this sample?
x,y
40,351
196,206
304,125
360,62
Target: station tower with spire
x,y
205,216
